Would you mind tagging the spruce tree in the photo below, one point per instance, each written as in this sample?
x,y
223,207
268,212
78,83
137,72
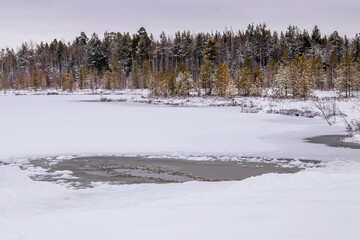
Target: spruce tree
x,y
35,79
306,83
146,72
280,85
108,80
82,83
163,83
157,86
316,36
246,83
282,79
68,81
171,82
206,77
184,83
270,72
294,77
43,82
258,80
18,85
136,76
347,76
71,81
4,83
116,77
317,73
231,89
222,78
211,51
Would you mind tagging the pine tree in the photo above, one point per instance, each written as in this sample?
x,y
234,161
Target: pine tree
x,y
136,76
246,83
305,83
123,52
177,48
152,84
355,47
163,83
300,82
92,79
258,80
307,78
43,82
282,79
68,81
18,84
115,78
35,79
231,89
187,46
109,80
294,77
270,72
206,77
155,84
82,83
199,48
222,78
143,45
280,86
171,82
71,81
316,36
211,51
237,77
4,83
347,76
317,72
184,83
146,73
333,62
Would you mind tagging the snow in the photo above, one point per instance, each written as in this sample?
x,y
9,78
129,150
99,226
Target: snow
x,y
355,139
318,203
308,205
41,126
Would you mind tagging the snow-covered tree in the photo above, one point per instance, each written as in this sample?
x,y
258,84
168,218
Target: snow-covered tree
x,y
184,83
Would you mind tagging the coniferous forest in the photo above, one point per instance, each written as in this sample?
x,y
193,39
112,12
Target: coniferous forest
x,y
290,63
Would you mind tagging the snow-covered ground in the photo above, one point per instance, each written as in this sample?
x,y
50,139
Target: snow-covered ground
x,y
318,203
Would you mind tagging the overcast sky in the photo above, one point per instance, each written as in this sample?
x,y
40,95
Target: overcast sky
x,y
44,20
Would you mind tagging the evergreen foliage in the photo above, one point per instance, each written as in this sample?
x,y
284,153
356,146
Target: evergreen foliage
x,y
206,77
291,63
347,77
222,79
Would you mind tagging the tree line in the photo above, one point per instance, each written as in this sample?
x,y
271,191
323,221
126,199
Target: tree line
x,y
290,63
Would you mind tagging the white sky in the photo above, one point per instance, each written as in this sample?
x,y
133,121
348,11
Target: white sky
x,y
44,20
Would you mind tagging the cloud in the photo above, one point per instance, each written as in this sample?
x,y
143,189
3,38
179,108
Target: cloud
x,y
44,20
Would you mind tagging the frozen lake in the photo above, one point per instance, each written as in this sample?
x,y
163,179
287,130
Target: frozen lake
x,y
316,203
41,126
